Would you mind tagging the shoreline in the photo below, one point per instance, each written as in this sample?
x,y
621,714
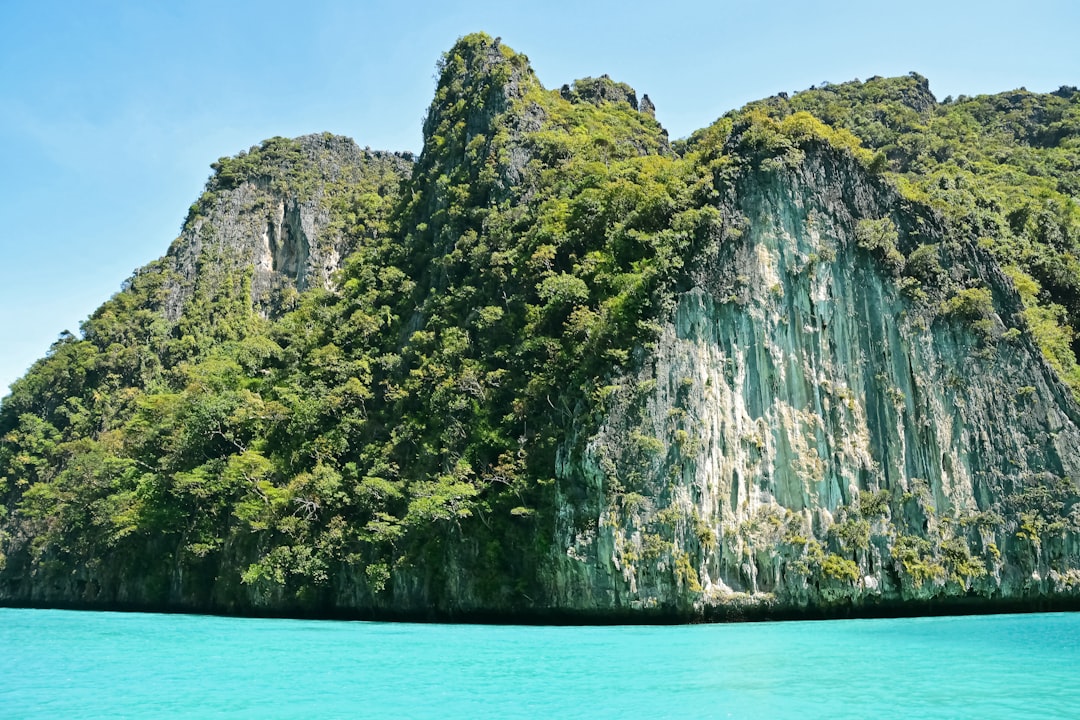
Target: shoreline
x,y
721,614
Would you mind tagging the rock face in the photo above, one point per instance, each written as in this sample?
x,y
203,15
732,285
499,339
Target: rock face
x,y
275,219
275,243
802,420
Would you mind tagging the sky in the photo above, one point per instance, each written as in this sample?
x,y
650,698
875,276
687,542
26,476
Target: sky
x,y
111,112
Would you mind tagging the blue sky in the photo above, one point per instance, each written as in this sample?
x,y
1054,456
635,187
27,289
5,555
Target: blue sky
x,y
111,112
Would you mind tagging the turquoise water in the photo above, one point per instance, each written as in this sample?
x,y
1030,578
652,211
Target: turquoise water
x,y
59,664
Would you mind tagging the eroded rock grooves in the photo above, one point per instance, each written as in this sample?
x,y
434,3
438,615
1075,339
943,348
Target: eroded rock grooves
x,y
559,369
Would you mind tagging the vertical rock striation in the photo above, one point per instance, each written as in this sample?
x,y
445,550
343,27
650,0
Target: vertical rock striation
x,y
805,433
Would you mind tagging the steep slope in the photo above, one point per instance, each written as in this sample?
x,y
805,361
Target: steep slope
x,y
562,368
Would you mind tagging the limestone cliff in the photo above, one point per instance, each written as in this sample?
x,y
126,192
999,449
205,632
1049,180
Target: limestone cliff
x,y
817,359
805,433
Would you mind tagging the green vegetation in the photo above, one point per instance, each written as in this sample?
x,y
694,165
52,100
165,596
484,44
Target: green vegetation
x,y
880,237
838,568
410,420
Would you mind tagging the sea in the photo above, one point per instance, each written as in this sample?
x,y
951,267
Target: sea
x,y
67,664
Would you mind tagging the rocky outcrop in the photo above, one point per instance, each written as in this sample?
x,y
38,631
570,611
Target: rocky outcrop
x,y
600,90
273,217
647,106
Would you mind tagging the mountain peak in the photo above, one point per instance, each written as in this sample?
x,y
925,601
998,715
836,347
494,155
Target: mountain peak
x,y
478,78
600,90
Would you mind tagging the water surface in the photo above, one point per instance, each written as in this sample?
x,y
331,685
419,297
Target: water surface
x,y
62,664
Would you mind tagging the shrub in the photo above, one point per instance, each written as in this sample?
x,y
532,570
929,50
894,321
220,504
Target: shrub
x,y
970,304
840,568
880,237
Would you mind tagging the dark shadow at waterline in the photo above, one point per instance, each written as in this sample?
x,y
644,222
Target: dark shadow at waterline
x,y
959,606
